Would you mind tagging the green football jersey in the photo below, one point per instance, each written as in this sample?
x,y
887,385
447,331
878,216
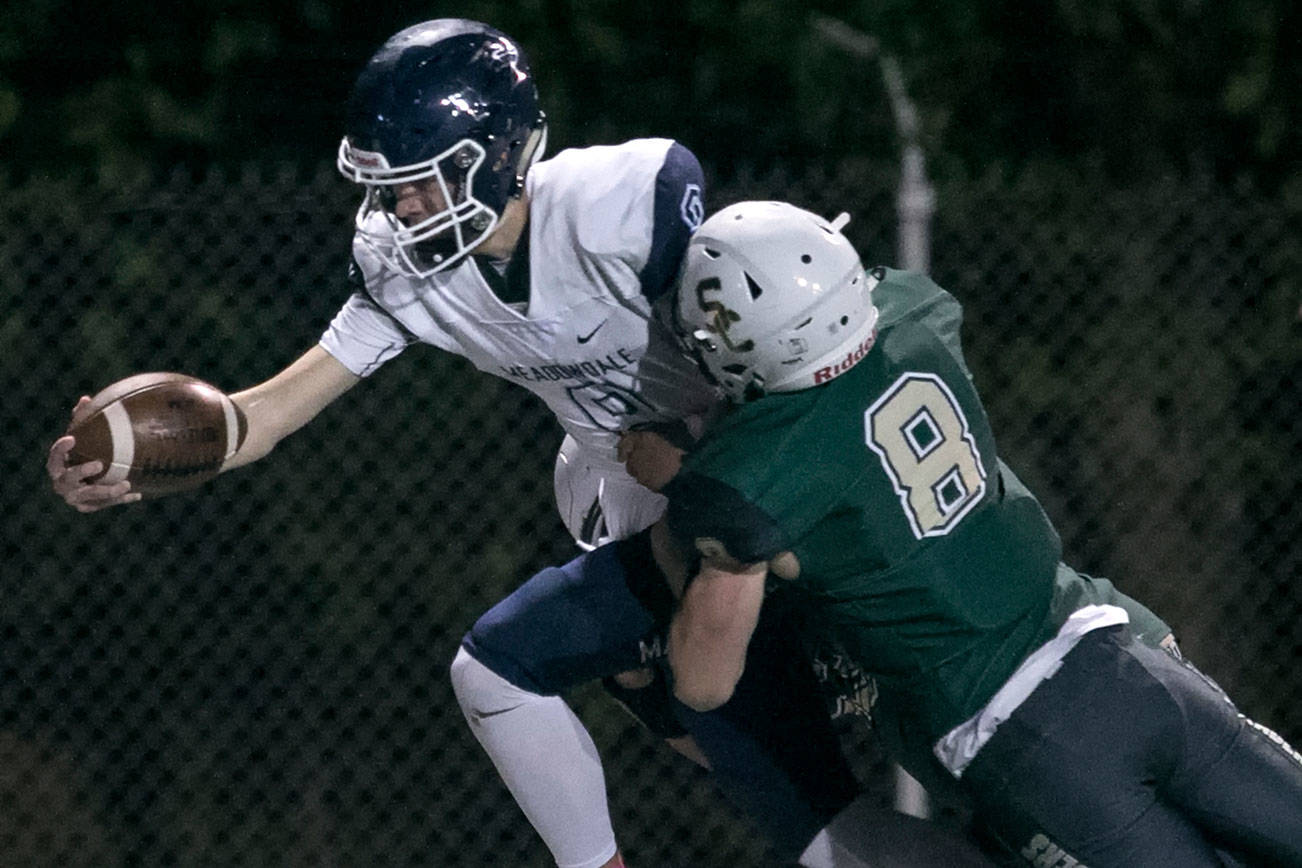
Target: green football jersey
x,y
934,567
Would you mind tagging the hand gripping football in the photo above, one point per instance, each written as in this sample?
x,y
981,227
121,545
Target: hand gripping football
x,y
163,432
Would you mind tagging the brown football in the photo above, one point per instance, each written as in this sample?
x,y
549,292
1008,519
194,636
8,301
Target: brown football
x,y
163,432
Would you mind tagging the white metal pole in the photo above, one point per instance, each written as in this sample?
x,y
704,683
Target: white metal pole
x,y
914,205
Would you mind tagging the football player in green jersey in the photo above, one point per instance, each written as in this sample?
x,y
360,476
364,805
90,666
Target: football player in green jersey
x,y
857,468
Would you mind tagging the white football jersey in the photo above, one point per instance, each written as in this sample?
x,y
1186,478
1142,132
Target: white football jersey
x,y
607,226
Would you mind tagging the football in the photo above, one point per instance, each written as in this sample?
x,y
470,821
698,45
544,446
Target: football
x,y
162,432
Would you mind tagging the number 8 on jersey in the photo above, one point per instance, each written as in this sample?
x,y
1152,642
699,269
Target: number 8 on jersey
x,y
927,449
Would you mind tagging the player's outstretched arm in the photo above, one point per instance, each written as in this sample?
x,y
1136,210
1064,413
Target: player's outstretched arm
x,y
272,410
288,401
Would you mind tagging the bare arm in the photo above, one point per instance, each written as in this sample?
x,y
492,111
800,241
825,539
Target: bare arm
x,y
288,401
711,630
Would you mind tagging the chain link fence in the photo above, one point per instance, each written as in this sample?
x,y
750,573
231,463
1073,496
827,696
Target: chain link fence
x,y
255,673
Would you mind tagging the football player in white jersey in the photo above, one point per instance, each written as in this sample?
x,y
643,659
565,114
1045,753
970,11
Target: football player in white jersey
x,y
546,274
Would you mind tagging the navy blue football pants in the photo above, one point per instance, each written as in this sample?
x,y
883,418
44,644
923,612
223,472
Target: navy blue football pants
x,y
772,748
1130,757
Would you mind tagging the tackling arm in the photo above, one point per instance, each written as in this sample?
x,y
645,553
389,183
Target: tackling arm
x,y
280,406
711,630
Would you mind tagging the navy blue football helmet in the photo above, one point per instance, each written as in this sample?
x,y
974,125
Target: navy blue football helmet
x,y
450,103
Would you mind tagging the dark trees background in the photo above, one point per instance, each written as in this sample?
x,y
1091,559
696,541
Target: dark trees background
x,y
1135,87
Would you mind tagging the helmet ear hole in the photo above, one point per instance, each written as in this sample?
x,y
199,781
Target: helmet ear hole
x,y
755,289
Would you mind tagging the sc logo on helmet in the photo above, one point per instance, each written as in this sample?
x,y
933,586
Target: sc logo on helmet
x,y
724,316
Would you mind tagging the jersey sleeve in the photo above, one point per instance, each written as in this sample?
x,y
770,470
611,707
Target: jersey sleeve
x,y
780,453
704,511
679,208
904,295
363,336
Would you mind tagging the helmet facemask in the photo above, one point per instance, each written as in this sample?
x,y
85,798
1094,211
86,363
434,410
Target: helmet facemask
x,y
438,241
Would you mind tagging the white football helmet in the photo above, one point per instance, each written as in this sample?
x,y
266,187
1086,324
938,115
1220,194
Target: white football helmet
x,y
774,299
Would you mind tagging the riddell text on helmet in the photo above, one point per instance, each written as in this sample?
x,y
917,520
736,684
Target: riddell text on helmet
x,y
822,375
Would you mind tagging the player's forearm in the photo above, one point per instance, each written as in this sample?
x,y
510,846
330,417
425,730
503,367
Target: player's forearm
x,y
280,406
702,681
710,632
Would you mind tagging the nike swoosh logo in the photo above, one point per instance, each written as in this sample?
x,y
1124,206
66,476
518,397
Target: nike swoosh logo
x,y
583,339
478,715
